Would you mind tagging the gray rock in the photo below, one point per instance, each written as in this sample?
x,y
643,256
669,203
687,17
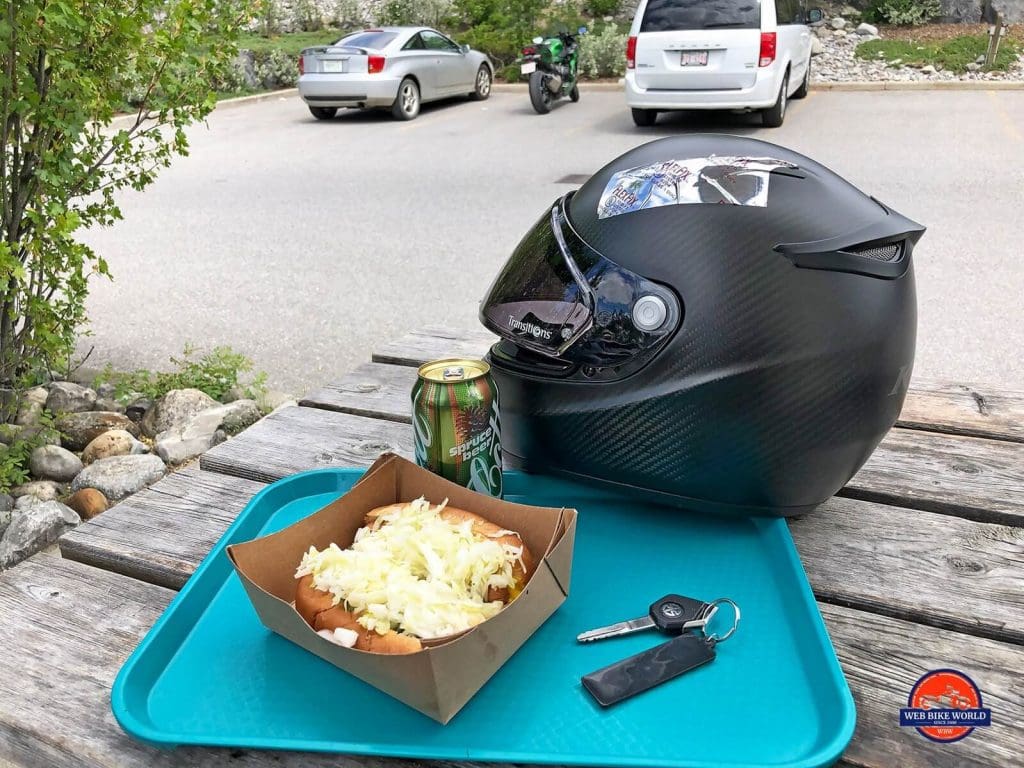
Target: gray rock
x,y
973,67
816,47
24,502
175,410
109,404
238,415
68,397
6,502
928,69
867,29
10,432
31,407
79,429
106,390
272,399
849,10
895,62
980,59
245,63
33,529
41,490
202,433
51,462
837,22
137,408
234,393
116,442
120,476
5,519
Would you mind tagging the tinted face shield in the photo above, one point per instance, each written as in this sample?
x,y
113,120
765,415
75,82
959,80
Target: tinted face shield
x,y
569,311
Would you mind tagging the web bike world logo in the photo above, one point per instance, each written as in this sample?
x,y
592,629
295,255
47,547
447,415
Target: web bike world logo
x,y
945,706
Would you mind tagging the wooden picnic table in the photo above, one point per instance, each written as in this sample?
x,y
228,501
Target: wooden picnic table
x,y
917,564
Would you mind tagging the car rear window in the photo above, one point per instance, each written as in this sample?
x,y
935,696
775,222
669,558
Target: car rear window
x,y
372,40
675,15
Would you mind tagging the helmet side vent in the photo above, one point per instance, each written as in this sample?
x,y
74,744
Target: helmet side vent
x,y
887,252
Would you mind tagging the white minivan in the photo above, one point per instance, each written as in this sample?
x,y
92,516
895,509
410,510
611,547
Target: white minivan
x,y
718,54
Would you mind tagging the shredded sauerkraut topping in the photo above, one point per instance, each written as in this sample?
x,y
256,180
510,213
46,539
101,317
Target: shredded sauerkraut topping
x,y
415,572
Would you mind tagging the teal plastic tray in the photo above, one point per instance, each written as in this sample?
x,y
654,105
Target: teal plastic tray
x,y
209,673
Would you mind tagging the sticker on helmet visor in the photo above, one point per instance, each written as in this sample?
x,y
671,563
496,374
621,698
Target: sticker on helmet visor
x,y
689,181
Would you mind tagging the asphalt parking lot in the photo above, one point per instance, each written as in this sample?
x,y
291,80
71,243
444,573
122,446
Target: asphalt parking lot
x,y
304,244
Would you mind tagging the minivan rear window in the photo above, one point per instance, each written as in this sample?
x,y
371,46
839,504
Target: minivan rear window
x,y
373,40
675,15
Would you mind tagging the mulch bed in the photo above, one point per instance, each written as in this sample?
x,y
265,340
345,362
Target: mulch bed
x,y
940,32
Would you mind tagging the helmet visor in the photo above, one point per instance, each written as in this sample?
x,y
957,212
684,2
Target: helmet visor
x,y
559,297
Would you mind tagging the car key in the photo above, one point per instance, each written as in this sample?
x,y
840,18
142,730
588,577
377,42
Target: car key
x,y
672,613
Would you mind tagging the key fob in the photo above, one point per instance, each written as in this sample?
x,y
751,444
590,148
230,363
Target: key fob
x,y
642,672
673,612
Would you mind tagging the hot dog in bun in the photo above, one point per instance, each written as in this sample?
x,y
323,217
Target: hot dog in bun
x,y
414,572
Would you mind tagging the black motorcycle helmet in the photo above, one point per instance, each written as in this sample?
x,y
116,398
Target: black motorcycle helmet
x,y
712,321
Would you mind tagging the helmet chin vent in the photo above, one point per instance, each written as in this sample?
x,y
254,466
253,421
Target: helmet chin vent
x,y
887,252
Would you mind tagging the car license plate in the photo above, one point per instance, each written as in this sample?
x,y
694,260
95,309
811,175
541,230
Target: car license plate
x,y
694,59
332,65
528,68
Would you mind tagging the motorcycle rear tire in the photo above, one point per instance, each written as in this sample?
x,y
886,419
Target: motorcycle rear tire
x,y
540,96
574,94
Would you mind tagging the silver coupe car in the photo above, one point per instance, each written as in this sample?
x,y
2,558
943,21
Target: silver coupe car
x,y
394,67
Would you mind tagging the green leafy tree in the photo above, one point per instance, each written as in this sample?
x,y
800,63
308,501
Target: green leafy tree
x,y
66,68
501,28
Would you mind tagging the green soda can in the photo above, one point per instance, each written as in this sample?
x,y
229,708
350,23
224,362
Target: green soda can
x,y
456,432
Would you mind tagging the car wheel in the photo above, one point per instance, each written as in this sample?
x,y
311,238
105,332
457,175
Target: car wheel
x,y
645,118
483,84
801,92
540,96
323,113
775,114
574,94
407,102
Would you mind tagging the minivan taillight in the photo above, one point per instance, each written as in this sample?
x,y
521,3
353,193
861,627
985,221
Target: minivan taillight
x,y
302,64
375,64
767,49
631,52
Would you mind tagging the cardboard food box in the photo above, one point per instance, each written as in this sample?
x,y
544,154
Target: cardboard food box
x,y
441,678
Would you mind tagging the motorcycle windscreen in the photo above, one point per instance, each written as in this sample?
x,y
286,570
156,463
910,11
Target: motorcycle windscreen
x,y
539,300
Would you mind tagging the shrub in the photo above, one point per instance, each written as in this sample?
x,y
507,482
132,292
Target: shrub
x,y
64,67
602,7
14,458
276,69
348,13
603,53
499,28
307,16
214,373
905,12
405,12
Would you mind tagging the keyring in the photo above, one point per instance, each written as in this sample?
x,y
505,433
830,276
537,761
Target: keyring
x,y
710,611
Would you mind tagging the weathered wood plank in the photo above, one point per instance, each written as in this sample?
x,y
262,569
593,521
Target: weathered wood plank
x,y
162,533
295,439
951,474
965,476
55,680
934,569
979,411
883,658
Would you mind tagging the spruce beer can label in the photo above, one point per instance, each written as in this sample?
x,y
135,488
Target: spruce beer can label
x,y
456,432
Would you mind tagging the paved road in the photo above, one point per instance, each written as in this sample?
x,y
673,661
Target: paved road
x,y
305,244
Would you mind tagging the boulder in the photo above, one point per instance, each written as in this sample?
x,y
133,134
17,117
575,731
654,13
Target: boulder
x,y
35,528
51,462
31,407
120,476
175,410
973,67
238,415
928,69
88,503
116,442
272,399
5,518
816,47
10,432
837,22
867,30
106,391
68,397
109,404
179,445
79,429
6,502
40,490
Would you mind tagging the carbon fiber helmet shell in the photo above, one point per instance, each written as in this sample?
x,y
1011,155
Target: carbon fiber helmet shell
x,y
791,357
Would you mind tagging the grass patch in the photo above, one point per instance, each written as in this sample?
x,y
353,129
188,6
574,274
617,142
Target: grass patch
x,y
290,43
953,54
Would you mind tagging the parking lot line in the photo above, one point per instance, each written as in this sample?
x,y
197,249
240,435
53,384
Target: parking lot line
x,y
1008,125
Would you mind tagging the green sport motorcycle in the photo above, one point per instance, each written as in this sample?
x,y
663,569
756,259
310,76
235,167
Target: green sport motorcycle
x,y
552,64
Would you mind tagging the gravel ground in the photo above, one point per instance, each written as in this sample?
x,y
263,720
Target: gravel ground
x,y
837,62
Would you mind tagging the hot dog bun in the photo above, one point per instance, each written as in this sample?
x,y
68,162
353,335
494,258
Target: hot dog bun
x,y
317,607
